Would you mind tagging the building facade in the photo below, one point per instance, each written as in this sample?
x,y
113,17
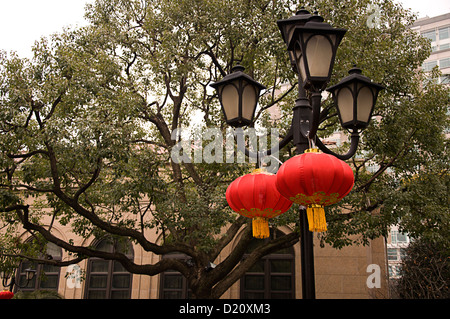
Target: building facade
x,y
354,272
437,30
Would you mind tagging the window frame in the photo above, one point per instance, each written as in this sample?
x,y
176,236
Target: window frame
x,y
110,273
268,292
36,283
184,291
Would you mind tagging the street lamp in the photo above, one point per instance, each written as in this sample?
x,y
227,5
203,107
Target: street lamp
x,y
238,96
5,276
312,45
355,97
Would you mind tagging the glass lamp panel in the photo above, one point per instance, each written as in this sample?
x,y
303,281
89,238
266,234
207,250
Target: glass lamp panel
x,y
230,100
365,104
319,53
345,104
290,33
333,38
300,62
292,57
249,99
302,69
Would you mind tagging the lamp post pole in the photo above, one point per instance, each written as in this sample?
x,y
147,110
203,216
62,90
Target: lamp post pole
x,y
312,46
306,237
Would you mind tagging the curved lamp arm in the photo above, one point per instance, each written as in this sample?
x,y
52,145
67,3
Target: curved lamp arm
x,y
260,154
353,147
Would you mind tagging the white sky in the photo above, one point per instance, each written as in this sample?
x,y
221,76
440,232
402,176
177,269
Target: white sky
x,y
22,22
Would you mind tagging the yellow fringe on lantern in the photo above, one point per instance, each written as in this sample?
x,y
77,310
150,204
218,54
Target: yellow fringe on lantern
x,y
316,218
260,226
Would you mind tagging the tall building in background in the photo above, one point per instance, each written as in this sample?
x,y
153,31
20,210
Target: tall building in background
x,y
437,29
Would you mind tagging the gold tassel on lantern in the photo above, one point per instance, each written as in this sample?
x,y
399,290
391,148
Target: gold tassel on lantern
x,y
316,218
260,227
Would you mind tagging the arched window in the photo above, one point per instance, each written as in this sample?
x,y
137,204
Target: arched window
x,y
46,277
108,279
273,276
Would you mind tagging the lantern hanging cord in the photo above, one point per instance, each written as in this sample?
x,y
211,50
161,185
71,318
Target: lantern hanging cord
x,y
311,142
262,158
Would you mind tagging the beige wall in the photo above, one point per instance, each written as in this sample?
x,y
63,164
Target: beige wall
x,y
339,273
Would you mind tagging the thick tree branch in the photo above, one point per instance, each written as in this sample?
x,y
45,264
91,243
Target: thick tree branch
x,y
84,252
274,245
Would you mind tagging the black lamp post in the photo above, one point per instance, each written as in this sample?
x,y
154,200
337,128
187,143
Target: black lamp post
x,y
312,45
5,276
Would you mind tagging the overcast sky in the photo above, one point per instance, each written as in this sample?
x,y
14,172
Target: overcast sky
x,y
22,22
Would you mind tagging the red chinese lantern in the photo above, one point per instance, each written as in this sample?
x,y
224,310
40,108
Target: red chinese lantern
x,y
255,196
315,180
5,294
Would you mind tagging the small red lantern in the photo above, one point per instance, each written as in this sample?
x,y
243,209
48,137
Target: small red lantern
x,y
5,294
255,196
315,180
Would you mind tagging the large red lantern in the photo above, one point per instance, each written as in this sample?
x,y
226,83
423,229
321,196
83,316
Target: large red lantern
x,y
5,294
315,180
255,196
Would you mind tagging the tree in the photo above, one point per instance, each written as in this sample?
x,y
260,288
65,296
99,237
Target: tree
x,y
425,271
86,129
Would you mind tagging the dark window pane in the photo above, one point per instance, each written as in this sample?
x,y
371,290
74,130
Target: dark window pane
x,y
253,295
280,282
105,245
99,266
97,294
173,281
254,282
257,267
50,282
118,267
172,294
280,265
120,294
121,281
98,281
281,295
50,268
27,284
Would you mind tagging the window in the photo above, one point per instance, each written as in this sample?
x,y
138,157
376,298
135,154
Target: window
x,y
430,35
394,271
444,33
392,254
108,279
428,66
444,79
173,284
398,237
444,63
46,277
444,46
272,277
